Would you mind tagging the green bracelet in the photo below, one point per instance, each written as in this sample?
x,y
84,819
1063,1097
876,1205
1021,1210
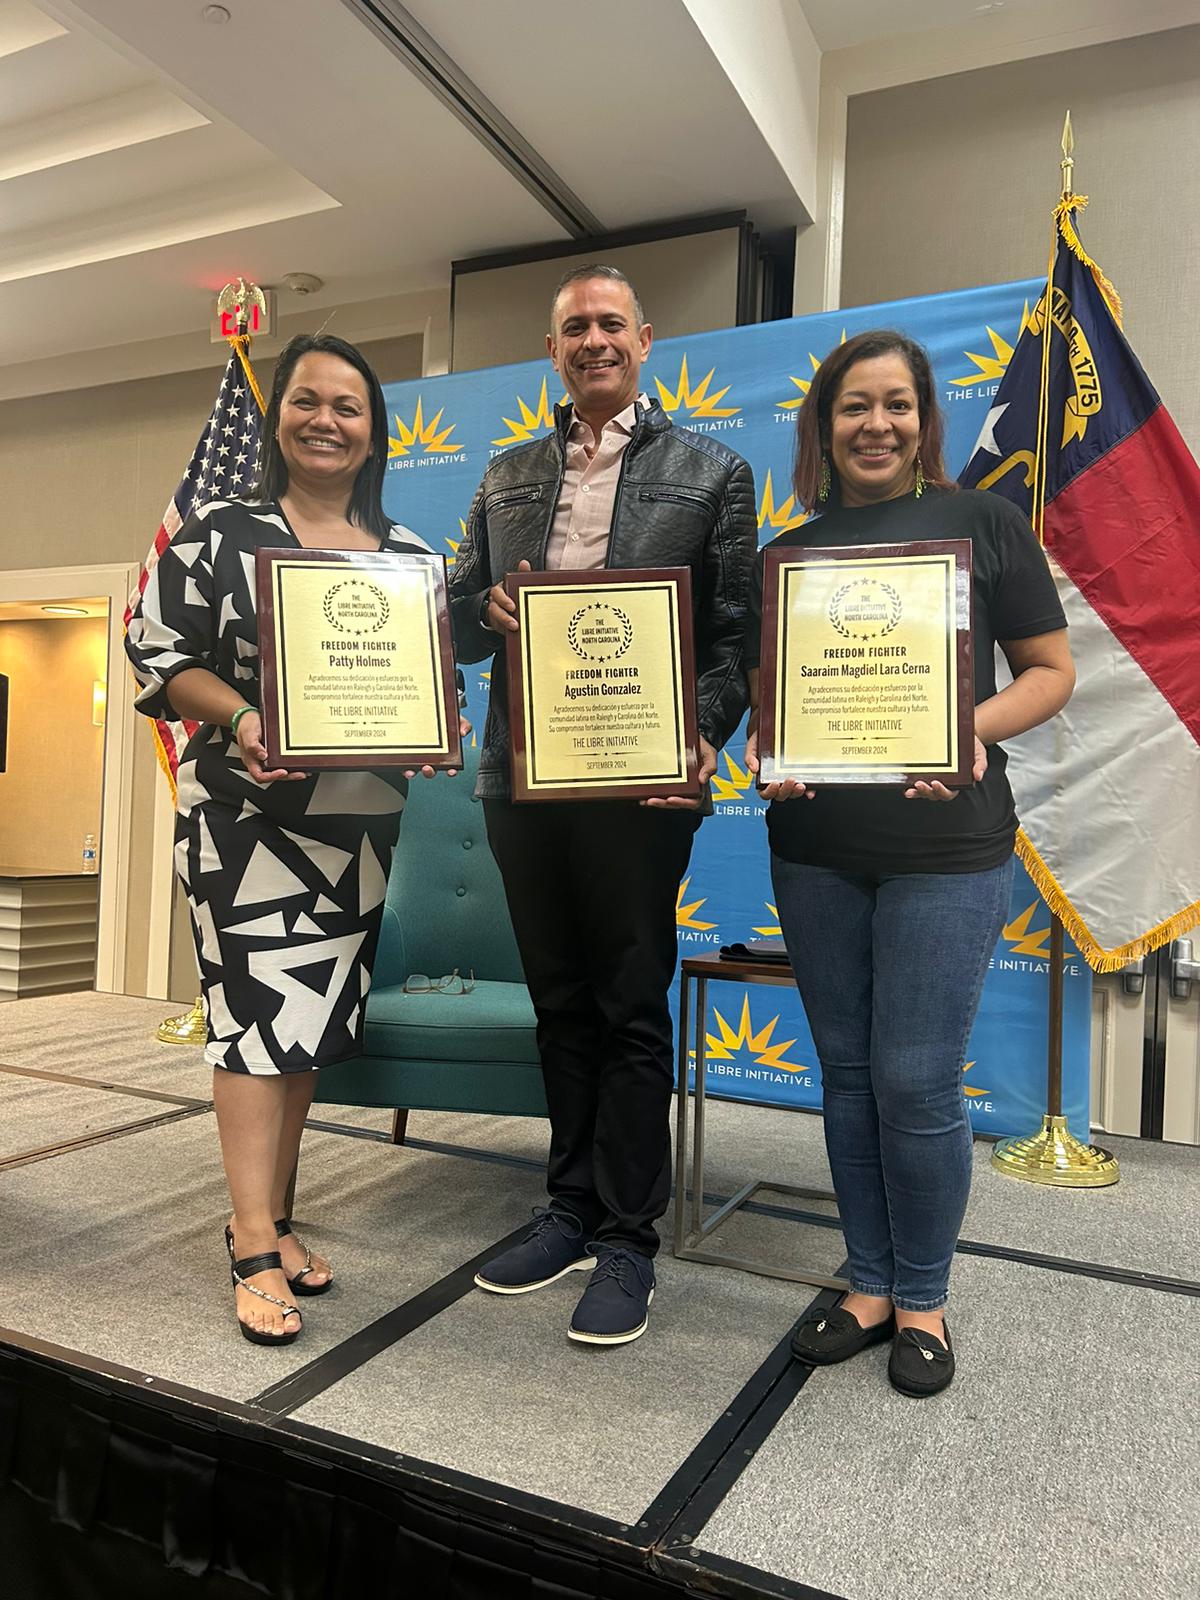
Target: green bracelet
x,y
237,717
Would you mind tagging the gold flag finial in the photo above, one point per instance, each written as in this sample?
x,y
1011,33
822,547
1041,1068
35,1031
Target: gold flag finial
x,y
234,304
1068,160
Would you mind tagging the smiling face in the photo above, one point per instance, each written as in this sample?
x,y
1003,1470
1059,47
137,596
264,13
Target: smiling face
x,y
325,422
597,347
875,430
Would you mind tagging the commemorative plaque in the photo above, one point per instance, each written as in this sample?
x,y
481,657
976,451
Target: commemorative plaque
x,y
602,685
356,662
866,671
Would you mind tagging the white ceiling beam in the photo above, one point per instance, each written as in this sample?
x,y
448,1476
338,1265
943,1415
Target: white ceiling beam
x,y
767,50
22,26
135,117
269,194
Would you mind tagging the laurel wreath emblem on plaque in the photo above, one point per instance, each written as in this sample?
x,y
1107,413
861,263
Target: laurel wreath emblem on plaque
x,y
886,600
594,613
364,592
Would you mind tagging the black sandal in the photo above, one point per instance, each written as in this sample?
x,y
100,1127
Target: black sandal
x,y
283,1227
239,1271
297,1285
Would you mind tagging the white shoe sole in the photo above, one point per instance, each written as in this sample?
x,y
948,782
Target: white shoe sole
x,y
613,1338
584,1264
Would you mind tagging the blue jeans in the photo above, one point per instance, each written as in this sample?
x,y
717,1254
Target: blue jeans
x,y
890,967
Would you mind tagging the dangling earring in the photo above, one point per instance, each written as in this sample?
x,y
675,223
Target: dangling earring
x,y
920,484
824,484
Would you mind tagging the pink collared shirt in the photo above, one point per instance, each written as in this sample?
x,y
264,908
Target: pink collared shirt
x,y
583,516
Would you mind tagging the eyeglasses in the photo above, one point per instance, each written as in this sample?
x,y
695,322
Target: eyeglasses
x,y
451,983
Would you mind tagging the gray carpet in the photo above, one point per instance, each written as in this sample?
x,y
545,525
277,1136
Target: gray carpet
x,y
1148,1222
35,1113
493,1387
1063,1460
107,1037
116,1250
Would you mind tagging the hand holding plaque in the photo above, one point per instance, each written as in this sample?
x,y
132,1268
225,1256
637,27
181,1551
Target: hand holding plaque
x,y
866,670
602,685
357,661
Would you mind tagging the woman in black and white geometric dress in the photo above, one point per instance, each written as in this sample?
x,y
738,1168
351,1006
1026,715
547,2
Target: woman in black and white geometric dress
x,y
285,873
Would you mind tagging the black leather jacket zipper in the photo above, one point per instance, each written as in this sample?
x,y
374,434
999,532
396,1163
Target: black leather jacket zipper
x,y
679,496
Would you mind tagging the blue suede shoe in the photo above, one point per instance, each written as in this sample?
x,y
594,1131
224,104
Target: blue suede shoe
x,y
554,1246
615,1303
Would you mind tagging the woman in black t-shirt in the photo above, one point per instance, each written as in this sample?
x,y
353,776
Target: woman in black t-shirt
x,y
891,899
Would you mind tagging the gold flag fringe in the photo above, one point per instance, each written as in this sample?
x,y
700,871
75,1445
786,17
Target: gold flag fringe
x,y
1094,953
1066,227
241,344
160,750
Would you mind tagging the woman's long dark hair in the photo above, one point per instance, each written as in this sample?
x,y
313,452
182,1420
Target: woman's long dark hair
x,y
366,497
813,421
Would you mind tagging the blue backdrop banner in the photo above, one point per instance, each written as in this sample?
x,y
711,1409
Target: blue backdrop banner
x,y
745,385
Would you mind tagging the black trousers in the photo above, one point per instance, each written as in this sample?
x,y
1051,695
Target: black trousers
x,y
592,887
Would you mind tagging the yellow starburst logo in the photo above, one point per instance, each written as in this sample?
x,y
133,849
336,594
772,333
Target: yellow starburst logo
x,y
1022,941
969,1089
780,517
803,384
727,1042
772,929
421,433
685,916
735,785
454,545
530,423
696,402
990,368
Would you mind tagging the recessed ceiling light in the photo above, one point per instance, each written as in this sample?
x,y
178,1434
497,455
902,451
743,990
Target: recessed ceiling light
x,y
66,611
216,15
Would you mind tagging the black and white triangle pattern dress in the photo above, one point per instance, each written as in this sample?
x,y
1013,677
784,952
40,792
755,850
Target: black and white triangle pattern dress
x,y
285,881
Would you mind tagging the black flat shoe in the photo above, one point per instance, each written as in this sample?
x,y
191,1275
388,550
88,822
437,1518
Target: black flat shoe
x,y
239,1271
297,1285
920,1364
826,1337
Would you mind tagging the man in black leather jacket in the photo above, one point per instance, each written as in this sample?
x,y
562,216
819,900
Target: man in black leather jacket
x,y
592,885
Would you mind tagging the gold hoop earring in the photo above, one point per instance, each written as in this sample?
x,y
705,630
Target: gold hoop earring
x,y
919,487
825,483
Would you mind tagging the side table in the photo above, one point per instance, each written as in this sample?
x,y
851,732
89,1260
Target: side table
x,y
690,1234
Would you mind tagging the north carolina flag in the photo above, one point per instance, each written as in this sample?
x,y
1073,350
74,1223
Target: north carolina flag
x,y
1108,792
223,466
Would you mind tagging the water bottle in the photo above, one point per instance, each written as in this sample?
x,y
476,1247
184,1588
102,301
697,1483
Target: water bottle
x,y
90,864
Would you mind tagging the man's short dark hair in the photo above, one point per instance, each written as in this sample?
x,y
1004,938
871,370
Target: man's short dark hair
x,y
597,269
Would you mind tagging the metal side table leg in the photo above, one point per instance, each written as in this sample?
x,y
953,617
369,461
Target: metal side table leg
x,y
687,1243
681,1114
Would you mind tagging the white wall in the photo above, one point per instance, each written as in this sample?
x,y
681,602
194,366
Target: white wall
x,y
951,183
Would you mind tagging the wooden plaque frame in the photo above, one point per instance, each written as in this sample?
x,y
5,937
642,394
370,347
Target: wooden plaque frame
x,y
959,668
272,645
523,740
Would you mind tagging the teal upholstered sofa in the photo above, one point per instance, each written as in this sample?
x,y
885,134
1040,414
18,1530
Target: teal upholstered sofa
x,y
445,909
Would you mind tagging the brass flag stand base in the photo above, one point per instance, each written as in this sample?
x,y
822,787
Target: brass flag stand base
x,y
1056,1156
187,1028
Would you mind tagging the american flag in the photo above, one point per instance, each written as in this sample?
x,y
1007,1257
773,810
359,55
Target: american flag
x,y
223,467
